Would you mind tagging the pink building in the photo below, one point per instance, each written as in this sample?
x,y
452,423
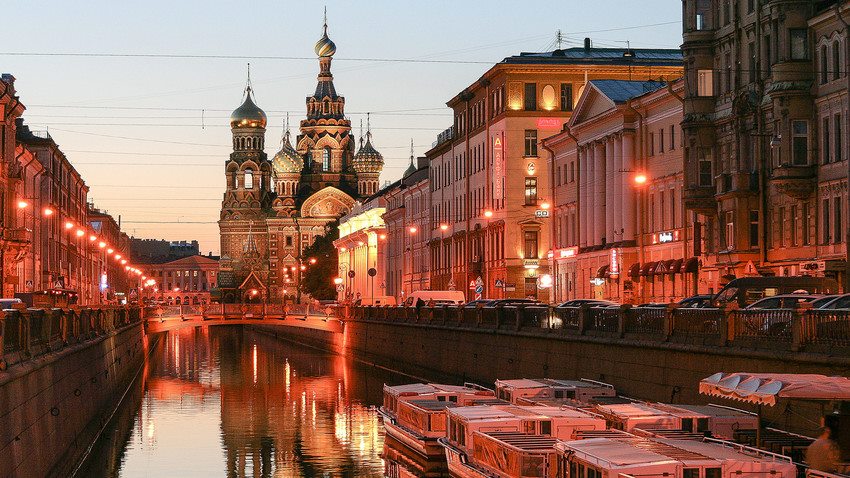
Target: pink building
x,y
618,226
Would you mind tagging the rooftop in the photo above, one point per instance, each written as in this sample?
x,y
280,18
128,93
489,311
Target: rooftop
x,y
593,56
620,91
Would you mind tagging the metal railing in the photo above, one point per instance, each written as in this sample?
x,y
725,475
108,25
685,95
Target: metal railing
x,y
29,333
783,329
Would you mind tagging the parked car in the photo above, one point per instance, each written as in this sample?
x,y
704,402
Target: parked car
x,y
784,301
746,290
699,301
823,300
654,305
589,303
838,302
439,297
478,303
15,303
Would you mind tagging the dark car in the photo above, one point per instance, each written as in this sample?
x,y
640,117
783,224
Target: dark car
x,y
513,302
654,305
823,301
589,303
478,303
839,302
784,301
699,301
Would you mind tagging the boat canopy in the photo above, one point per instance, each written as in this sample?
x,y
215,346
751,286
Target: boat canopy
x,y
766,388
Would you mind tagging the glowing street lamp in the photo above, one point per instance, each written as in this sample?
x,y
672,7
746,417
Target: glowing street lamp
x,y
488,214
110,250
101,244
640,179
544,205
23,204
47,212
118,256
382,236
413,229
312,260
81,233
337,280
92,238
69,225
444,227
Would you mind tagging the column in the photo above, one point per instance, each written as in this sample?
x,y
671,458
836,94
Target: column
x,y
610,192
629,205
590,218
599,191
617,182
582,200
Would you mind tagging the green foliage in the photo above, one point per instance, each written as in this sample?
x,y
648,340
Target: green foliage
x,y
317,280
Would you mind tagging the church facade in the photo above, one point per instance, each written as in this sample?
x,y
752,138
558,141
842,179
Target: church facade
x,y
274,208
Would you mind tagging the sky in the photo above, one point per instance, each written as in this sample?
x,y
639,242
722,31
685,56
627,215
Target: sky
x,y
150,136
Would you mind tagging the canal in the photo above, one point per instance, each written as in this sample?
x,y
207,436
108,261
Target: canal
x,y
231,401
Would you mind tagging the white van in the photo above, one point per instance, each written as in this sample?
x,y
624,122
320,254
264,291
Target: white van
x,y
440,297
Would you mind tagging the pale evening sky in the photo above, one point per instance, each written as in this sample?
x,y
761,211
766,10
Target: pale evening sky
x,y
133,126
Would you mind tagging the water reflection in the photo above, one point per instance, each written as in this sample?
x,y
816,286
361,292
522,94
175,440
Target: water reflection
x,y
224,401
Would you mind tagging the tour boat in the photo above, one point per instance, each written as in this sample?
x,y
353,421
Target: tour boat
x,y
642,457
544,390
518,432
647,418
415,414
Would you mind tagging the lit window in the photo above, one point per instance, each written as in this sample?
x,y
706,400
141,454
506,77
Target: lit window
x,y
531,142
530,191
249,179
326,159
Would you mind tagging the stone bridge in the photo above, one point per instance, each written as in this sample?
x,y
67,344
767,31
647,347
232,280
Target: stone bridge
x,y
161,319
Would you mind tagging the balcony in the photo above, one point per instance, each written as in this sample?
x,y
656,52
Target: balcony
x,y
737,184
794,181
700,199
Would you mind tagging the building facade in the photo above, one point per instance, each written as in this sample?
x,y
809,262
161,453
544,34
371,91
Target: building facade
x,y
273,209
186,281
112,280
489,180
762,98
362,246
618,224
160,250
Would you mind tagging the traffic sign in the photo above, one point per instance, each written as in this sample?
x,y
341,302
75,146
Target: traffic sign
x,y
472,285
499,283
340,288
479,289
372,272
351,274
479,281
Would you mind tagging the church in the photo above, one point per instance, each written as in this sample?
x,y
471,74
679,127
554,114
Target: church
x,y
273,209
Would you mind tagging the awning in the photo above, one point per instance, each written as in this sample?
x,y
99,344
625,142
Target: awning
x,y
691,265
603,271
634,270
668,265
648,269
675,267
765,388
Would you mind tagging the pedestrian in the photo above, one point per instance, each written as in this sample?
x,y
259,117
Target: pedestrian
x,y
823,454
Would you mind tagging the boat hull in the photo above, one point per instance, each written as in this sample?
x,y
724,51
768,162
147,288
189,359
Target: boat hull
x,y
425,446
458,464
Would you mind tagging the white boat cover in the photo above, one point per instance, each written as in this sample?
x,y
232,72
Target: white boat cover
x,y
766,388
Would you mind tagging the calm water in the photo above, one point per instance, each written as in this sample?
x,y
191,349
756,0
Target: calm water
x,y
224,401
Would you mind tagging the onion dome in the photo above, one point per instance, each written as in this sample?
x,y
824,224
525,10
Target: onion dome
x,y
325,47
367,159
412,168
249,115
287,160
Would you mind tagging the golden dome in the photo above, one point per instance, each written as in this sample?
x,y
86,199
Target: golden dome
x,y
325,47
248,115
287,160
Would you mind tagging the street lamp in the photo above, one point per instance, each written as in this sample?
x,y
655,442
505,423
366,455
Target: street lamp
x,y
640,179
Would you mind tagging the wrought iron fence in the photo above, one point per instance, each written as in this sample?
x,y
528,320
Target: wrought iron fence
x,y
774,324
645,320
826,327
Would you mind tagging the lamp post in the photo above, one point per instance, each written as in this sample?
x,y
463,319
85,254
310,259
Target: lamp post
x,y
443,229
640,181
343,274
488,214
412,230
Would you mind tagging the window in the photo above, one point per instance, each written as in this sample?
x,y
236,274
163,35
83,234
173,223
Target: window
x,y
751,47
661,140
672,137
530,244
326,159
750,7
805,225
705,83
730,230
826,143
702,15
530,103
530,191
531,142
754,228
566,97
781,226
799,43
800,142
836,60
249,179
793,225
826,230
673,221
288,241
652,212
690,473
572,171
705,174
838,142
713,473
559,176
824,70
652,144
728,63
836,206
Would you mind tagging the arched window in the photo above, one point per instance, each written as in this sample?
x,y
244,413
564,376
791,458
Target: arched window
x,y
836,60
823,65
249,179
326,159
235,181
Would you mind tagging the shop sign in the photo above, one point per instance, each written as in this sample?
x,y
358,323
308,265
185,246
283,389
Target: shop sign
x,y
569,252
549,123
665,237
614,265
541,213
812,267
510,287
498,173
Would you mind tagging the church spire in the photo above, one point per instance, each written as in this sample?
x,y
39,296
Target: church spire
x,y
412,168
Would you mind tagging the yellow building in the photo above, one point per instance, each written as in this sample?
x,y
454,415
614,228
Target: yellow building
x,y
360,248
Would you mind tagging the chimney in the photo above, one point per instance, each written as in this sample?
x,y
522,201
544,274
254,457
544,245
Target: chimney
x,y
586,43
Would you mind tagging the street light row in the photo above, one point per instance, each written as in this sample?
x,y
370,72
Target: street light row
x,y
80,231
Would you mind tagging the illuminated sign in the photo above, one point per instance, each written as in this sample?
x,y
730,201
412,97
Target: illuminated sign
x,y
541,213
544,281
569,252
614,266
497,169
597,281
549,123
665,237
104,282
531,168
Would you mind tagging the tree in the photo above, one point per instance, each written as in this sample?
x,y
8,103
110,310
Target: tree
x,y
317,280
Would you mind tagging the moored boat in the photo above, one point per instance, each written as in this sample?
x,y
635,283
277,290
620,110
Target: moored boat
x,y
649,418
525,390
